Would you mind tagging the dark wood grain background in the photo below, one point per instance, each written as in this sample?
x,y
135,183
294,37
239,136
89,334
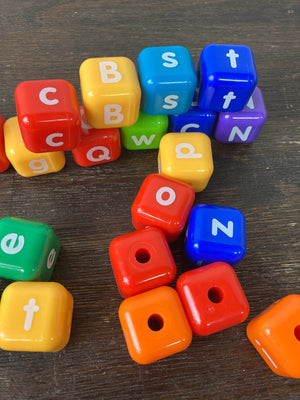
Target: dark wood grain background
x,y
88,207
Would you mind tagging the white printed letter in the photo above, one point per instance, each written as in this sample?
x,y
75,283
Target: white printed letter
x,y
232,57
171,101
171,63
236,131
142,139
171,196
228,230
189,126
43,96
38,166
109,73
228,97
112,114
50,142
30,309
8,243
101,157
191,151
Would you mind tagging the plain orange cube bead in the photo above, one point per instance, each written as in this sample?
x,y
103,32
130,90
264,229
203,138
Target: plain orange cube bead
x,y
275,333
154,325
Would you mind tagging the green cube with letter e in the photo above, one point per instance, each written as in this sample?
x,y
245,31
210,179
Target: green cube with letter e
x,y
28,250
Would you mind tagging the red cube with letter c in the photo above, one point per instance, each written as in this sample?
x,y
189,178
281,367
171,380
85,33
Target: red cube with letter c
x,y
48,114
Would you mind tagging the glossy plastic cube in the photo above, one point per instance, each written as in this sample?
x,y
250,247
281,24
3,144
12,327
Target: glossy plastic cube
x,y
168,80
227,77
25,162
215,234
164,203
243,126
48,115
154,325
28,249
213,298
110,92
4,161
96,146
195,120
275,333
42,317
141,261
186,157
146,133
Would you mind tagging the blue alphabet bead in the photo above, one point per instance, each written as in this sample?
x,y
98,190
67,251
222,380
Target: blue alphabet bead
x,y
228,77
215,234
195,120
168,80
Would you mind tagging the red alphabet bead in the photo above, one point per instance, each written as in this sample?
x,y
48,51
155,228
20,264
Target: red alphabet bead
x,y
4,162
48,115
154,325
164,203
141,261
96,146
212,298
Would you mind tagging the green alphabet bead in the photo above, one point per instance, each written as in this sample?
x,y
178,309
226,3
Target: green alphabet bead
x,y
28,250
145,133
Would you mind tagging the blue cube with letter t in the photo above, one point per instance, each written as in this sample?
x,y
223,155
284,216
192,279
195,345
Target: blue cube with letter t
x,y
215,233
227,77
168,80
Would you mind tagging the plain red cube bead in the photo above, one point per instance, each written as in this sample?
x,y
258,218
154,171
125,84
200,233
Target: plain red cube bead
x,y
212,298
4,161
96,146
48,114
164,203
141,261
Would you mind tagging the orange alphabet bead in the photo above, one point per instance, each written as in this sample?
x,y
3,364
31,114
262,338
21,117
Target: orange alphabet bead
x,y
154,325
275,333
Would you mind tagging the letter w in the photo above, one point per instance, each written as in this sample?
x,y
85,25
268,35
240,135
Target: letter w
x,y
142,139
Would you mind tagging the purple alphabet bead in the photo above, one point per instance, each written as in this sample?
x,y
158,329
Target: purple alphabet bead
x,y
243,126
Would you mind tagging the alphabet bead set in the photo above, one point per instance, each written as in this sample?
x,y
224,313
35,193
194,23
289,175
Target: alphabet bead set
x,y
167,96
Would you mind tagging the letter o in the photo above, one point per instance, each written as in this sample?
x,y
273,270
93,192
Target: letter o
x,y
170,200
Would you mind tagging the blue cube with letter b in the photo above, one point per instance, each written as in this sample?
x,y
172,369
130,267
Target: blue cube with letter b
x,y
227,77
215,233
168,80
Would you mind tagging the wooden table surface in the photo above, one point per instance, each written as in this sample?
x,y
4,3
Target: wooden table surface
x,y
88,207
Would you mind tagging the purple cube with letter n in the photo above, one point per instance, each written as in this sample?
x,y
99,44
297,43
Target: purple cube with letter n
x,y
215,233
243,126
227,77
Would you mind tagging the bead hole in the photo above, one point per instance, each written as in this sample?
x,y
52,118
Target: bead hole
x,y
155,322
142,256
215,295
297,332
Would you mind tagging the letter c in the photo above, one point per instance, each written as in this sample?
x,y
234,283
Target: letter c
x,y
43,96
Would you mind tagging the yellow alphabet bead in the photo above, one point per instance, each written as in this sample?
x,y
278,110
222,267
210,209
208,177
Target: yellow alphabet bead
x,y
24,161
35,316
186,157
111,92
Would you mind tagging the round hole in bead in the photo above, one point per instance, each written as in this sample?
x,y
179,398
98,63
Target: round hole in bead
x,y
215,295
297,332
142,256
155,322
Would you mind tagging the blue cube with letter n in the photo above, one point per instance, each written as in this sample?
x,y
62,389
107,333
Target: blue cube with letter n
x,y
215,233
